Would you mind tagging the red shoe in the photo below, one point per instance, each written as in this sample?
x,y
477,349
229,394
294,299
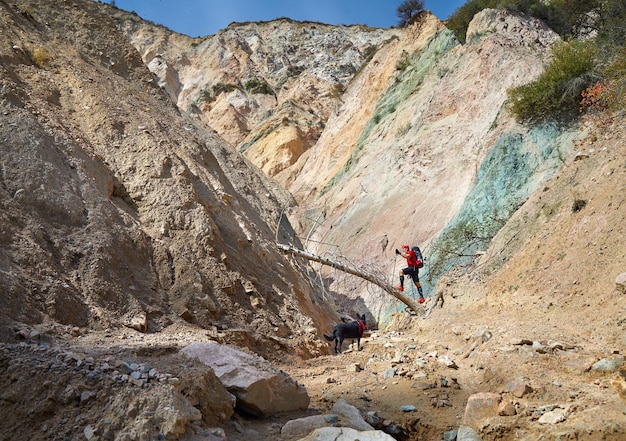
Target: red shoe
x,y
399,288
421,300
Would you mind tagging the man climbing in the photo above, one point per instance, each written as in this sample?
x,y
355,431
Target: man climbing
x,y
412,269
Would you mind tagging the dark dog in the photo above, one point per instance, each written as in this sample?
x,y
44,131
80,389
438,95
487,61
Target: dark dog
x,y
353,330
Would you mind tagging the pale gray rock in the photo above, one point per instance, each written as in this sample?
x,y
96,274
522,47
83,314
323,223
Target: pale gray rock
x,y
555,416
608,365
525,30
467,434
620,283
540,347
347,416
259,387
351,416
216,434
139,322
89,432
301,427
450,435
167,76
389,373
346,434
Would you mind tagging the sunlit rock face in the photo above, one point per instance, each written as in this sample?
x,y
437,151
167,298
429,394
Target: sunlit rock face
x,y
267,88
367,127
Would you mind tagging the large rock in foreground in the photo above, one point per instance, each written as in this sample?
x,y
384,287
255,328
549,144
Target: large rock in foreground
x,y
346,434
260,388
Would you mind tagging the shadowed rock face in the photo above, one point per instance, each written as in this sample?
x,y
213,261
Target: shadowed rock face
x,y
118,209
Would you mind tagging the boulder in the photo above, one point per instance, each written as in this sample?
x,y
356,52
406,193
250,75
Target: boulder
x,y
167,75
608,364
518,387
480,406
346,434
260,389
554,416
506,408
345,415
467,434
300,427
620,283
351,417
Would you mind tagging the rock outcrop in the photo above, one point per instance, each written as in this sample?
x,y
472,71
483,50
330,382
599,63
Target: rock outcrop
x,y
386,172
118,209
261,390
267,88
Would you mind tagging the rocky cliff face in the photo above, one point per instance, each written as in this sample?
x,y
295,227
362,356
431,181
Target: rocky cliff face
x,y
383,171
392,174
117,208
267,88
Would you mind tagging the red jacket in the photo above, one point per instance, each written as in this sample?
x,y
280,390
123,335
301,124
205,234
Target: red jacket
x,y
412,260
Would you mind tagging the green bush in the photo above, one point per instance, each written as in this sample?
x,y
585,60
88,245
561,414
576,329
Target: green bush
x,y
222,88
256,85
616,76
568,17
204,97
556,94
611,27
564,17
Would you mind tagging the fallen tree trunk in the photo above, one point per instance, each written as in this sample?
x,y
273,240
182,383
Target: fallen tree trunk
x,y
355,272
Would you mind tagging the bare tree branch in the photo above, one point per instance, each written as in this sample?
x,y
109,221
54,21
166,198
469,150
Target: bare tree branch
x,y
288,249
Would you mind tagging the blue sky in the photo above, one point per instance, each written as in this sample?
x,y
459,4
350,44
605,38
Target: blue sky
x,y
198,18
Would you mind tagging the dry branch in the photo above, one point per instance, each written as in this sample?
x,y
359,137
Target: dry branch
x,y
288,249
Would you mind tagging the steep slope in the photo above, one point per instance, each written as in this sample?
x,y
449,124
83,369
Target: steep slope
x,y
537,324
550,278
387,171
564,249
120,210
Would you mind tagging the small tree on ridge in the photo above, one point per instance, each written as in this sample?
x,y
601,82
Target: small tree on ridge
x,y
408,10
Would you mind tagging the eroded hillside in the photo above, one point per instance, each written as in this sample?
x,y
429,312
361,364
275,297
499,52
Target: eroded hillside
x,y
118,210
430,147
381,170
